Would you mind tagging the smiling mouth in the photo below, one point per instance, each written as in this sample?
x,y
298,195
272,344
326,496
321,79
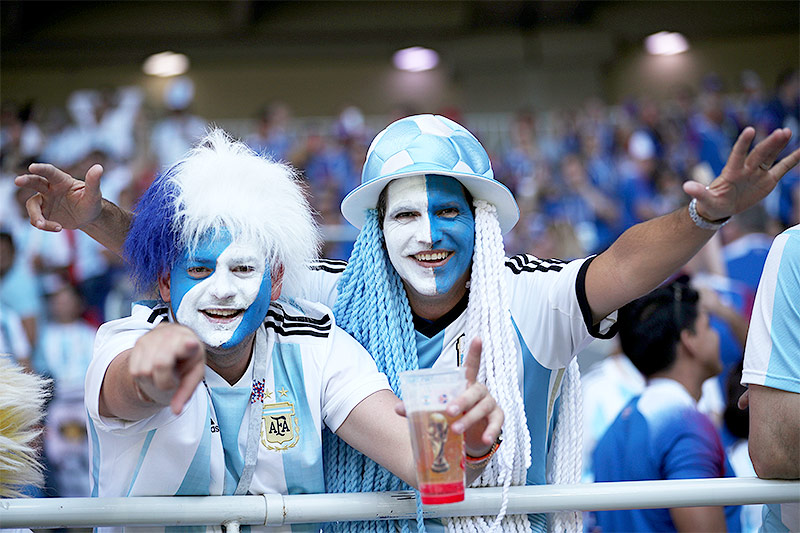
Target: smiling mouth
x,y
222,315
432,258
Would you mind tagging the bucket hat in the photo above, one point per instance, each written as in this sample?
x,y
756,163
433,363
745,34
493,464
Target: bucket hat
x,y
423,145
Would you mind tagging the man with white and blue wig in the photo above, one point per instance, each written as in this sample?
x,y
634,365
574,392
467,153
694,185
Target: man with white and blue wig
x,y
428,273
229,391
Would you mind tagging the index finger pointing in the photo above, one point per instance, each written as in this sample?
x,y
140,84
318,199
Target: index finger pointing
x,y
473,361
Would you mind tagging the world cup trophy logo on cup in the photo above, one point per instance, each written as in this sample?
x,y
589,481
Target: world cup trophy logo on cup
x,y
438,452
437,431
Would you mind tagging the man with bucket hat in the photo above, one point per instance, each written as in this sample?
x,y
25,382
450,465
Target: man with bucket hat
x,y
417,287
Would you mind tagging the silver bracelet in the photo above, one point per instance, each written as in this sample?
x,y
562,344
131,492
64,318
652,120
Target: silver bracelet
x,y
702,222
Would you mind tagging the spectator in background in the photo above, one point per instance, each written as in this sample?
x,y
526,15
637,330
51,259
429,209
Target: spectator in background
x,y
660,434
39,255
586,207
21,137
272,136
772,374
522,158
747,238
713,141
63,353
178,130
14,342
19,290
735,430
607,386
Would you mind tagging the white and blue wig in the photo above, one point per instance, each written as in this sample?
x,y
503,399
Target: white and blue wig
x,y
222,185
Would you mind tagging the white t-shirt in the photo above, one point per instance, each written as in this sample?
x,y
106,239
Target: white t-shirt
x,y
316,374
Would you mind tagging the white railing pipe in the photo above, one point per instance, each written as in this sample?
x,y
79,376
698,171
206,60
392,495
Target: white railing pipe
x,y
277,509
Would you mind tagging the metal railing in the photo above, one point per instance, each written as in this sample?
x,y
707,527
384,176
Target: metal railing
x,y
278,509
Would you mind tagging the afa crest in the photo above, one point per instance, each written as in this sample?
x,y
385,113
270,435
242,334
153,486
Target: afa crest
x,y
279,427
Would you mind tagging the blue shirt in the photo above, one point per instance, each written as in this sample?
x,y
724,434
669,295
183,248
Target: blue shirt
x,y
659,435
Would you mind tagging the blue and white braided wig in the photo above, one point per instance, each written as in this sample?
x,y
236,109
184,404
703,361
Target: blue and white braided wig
x,y
222,185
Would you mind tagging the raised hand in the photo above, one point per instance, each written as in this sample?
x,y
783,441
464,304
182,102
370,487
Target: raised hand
x,y
61,200
747,177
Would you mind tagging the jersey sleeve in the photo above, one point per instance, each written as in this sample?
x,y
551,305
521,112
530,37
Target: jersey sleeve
x,y
550,309
694,449
349,376
320,282
772,351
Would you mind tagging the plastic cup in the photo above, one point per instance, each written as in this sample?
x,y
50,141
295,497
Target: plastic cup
x,y
438,452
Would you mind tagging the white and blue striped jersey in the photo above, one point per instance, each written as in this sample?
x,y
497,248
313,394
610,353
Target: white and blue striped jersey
x,y
316,374
773,343
553,323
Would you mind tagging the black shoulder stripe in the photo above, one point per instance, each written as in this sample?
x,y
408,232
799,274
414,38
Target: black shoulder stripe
x,y
156,313
281,316
296,331
334,266
586,310
529,263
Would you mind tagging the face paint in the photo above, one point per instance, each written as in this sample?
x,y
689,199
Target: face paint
x,y
429,232
222,292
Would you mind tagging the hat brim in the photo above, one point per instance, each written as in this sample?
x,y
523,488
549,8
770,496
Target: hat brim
x,y
365,196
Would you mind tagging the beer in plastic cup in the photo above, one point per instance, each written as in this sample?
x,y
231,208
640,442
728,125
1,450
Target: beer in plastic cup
x,y
438,452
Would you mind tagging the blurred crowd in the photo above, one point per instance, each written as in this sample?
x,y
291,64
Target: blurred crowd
x,y
581,177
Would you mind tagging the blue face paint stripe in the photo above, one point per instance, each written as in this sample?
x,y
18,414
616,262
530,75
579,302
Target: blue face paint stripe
x,y
210,247
302,464
145,446
456,234
231,405
254,315
95,456
197,480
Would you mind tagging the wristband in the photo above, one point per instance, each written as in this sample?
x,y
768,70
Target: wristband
x,y
702,222
477,462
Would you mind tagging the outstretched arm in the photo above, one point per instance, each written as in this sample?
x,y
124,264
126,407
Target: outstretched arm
x,y
377,426
646,254
65,202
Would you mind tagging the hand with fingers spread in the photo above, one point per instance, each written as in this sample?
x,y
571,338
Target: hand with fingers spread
x,y
748,175
61,200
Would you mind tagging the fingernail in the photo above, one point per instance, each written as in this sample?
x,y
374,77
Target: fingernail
x,y
458,427
453,410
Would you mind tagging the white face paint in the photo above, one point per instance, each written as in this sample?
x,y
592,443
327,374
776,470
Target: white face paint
x,y
429,232
407,232
214,291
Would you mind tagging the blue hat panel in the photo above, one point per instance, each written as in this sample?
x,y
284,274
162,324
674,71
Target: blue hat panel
x,y
437,151
434,144
472,153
